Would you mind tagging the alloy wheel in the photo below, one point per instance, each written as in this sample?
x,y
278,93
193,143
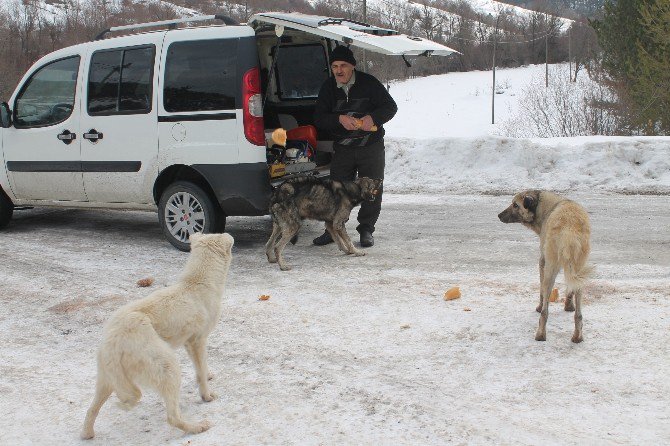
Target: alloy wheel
x,y
184,216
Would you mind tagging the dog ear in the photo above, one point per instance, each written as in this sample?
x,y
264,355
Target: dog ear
x,y
529,203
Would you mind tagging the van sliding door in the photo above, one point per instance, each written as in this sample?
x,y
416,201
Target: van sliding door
x,y
119,121
199,117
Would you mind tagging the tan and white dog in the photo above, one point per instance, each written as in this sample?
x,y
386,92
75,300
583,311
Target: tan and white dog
x,y
139,340
564,230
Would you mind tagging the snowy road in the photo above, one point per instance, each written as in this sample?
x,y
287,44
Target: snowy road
x,y
353,350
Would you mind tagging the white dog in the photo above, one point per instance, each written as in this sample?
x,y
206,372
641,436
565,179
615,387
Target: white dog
x,y
139,339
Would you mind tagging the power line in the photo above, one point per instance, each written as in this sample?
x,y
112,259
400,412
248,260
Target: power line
x,y
508,41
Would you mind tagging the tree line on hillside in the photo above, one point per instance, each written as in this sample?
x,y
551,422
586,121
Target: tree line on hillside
x,y
30,31
572,9
627,49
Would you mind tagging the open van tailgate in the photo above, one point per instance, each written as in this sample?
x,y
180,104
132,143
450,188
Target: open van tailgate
x,y
368,37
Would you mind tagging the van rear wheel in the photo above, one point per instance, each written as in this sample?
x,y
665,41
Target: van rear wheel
x,y
185,209
6,210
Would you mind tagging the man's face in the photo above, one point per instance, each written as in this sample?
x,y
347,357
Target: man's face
x,y
342,71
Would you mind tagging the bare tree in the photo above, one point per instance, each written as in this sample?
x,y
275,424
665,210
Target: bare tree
x,y
430,22
564,109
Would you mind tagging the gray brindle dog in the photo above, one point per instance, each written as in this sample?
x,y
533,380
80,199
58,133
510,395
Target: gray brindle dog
x,y
316,199
564,230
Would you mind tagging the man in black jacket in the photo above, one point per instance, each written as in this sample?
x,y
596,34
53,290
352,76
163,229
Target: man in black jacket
x,y
352,107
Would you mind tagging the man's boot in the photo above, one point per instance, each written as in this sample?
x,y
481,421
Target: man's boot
x,y
323,239
367,239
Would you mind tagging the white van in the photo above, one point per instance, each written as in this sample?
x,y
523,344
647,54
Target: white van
x,y
173,119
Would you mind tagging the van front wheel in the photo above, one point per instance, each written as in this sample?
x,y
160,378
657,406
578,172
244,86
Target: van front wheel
x,y
6,210
185,209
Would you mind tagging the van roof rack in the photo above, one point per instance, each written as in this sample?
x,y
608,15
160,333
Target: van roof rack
x,y
171,24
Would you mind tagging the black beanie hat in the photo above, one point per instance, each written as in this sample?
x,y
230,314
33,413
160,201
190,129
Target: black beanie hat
x,y
342,53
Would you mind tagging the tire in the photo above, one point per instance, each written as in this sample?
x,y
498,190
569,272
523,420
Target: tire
x,y
6,209
181,199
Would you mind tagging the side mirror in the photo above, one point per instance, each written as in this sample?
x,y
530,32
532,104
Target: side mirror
x,y
5,116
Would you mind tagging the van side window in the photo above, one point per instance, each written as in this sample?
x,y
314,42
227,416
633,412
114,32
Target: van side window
x,y
47,98
301,70
120,81
200,76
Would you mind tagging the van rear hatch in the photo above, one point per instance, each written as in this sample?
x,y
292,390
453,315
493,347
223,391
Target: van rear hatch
x,y
361,35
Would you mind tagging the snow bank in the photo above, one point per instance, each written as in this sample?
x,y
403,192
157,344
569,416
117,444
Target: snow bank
x,y
495,164
442,140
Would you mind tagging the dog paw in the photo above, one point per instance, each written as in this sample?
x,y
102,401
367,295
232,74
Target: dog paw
x,y
540,336
211,396
210,376
272,259
285,268
197,428
538,308
87,434
577,339
358,253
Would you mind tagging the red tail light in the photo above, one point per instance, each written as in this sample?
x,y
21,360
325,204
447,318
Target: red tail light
x,y
252,106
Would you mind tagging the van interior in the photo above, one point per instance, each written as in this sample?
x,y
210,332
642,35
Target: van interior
x,y
293,68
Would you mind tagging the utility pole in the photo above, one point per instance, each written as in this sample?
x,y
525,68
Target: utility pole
x,y
493,88
365,20
570,52
546,55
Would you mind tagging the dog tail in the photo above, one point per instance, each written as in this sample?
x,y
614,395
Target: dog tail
x,y
114,359
114,373
127,391
573,253
576,278
283,193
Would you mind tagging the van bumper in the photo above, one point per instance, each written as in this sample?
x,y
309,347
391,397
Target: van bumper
x,y
241,189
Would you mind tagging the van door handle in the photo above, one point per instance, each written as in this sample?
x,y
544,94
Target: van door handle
x,y
93,135
66,136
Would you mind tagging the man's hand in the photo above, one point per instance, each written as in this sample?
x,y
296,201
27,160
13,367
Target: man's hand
x,y
348,122
367,123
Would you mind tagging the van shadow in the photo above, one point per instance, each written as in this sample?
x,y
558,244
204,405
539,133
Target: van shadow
x,y
249,232
138,225
122,226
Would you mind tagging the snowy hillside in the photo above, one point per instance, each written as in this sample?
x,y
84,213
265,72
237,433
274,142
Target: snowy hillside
x,y
55,10
442,140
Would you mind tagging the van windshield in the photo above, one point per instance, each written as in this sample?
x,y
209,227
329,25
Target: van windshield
x,y
301,69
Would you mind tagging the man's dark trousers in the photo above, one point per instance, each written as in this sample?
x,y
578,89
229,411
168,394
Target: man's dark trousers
x,y
367,161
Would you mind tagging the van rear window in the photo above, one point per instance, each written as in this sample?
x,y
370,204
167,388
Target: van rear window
x,y
301,70
200,76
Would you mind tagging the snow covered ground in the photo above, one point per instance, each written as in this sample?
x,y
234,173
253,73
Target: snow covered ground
x,y
365,350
